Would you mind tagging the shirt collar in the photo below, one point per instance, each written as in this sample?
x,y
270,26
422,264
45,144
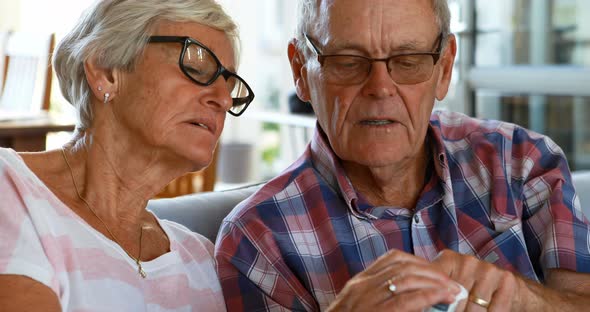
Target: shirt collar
x,y
441,163
330,167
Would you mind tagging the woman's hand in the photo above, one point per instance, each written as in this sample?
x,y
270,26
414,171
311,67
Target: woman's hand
x,y
418,285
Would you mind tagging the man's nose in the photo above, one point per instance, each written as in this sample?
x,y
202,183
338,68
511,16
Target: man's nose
x,y
379,82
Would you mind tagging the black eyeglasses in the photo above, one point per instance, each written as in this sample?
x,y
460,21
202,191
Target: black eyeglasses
x,y
201,65
404,68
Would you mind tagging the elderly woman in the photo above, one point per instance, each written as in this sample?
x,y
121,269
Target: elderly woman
x,y
152,81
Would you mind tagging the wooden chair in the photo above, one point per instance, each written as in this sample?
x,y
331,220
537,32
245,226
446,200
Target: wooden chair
x,y
3,39
194,182
27,72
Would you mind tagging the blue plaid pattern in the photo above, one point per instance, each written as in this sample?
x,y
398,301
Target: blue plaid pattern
x,y
497,191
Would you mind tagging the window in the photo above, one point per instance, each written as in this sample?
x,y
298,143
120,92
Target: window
x,y
536,32
531,66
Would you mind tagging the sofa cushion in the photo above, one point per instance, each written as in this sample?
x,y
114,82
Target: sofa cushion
x,y
201,212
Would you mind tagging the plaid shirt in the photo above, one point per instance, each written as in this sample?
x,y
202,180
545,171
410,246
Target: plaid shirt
x,y
497,191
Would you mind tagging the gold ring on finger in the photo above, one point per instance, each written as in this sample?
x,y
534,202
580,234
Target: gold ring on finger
x,y
480,302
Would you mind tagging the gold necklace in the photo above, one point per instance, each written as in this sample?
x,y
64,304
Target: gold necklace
x,y
139,268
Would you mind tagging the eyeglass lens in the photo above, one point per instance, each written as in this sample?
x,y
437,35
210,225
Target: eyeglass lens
x,y
203,67
199,63
403,69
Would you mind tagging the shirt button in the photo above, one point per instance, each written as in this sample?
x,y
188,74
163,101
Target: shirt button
x,y
416,218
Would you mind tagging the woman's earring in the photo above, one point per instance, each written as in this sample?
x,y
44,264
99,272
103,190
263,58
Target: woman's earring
x,y
106,97
99,88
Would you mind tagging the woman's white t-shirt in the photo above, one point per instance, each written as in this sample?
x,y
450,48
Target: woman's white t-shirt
x,y
43,239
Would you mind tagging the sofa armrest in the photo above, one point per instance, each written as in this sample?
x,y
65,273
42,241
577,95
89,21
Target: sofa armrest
x,y
201,212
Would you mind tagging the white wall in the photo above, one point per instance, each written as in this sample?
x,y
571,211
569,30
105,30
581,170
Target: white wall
x,y
56,16
9,14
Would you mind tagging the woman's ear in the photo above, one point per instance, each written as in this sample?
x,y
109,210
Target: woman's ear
x,y
103,81
299,71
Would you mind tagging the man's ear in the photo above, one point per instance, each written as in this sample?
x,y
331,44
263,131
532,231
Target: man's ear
x,y
299,71
447,60
101,80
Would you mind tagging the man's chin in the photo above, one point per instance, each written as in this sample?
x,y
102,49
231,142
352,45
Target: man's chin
x,y
377,160
381,163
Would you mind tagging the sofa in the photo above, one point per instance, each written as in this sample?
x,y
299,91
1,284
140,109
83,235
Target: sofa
x,y
203,212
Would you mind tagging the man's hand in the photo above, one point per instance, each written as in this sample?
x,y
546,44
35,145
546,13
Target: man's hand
x,y
418,285
564,290
499,289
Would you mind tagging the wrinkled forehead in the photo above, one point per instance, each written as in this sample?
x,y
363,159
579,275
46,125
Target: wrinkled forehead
x,y
376,22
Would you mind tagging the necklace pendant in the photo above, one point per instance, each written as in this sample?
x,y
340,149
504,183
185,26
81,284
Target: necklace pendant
x,y
141,271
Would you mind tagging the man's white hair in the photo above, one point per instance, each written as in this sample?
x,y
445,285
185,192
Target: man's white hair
x,y
116,32
308,21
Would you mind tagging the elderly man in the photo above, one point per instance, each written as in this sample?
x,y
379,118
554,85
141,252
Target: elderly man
x,y
393,207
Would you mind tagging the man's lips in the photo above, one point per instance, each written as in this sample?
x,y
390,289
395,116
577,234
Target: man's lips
x,y
377,121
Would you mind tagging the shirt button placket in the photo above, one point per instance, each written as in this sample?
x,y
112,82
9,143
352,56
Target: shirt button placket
x,y
418,240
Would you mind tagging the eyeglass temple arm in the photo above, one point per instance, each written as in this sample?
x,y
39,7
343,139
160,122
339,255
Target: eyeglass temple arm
x,y
312,47
167,39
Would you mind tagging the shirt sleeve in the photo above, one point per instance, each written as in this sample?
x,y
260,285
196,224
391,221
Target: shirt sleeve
x,y
250,282
556,232
22,251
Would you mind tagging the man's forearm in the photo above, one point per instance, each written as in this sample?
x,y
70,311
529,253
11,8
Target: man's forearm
x,y
538,297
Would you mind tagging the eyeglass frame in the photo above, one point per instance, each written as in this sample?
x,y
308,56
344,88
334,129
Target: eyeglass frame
x,y
435,56
221,70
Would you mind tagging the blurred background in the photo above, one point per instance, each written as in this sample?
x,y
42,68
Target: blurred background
x,y
522,61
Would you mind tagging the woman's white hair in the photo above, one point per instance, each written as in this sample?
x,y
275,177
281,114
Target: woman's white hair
x,y
308,21
116,32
